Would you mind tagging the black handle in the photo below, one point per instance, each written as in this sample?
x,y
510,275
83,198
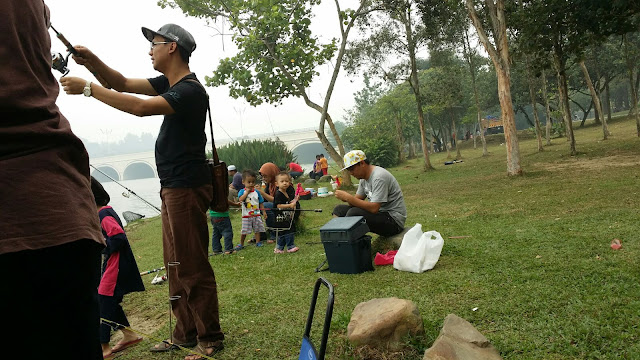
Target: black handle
x,y
327,318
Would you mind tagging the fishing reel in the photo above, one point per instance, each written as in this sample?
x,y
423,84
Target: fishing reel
x,y
58,62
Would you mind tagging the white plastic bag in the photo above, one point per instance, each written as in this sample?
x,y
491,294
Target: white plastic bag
x,y
419,251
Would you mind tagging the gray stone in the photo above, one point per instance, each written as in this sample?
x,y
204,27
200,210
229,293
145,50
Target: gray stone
x,y
382,323
459,340
325,178
397,238
310,181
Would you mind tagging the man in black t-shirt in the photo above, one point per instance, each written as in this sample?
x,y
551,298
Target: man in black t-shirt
x,y
184,176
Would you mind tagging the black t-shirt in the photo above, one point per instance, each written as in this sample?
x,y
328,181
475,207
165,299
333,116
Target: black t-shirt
x,y
284,217
180,156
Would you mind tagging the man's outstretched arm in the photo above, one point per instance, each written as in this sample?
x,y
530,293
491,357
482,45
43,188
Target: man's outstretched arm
x,y
156,105
117,81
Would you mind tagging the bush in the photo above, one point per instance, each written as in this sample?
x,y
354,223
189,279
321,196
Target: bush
x,y
251,154
381,151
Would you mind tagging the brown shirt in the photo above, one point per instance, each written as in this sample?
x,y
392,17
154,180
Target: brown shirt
x,y
45,193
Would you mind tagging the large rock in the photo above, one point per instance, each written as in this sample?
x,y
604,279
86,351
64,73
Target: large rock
x,y
310,182
324,179
382,323
459,340
397,238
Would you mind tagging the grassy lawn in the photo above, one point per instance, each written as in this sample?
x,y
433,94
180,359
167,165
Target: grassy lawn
x,y
537,264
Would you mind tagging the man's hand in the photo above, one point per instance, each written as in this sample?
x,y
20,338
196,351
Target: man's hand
x,y
84,55
343,195
72,85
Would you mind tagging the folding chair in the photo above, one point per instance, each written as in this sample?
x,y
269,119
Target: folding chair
x,y
307,350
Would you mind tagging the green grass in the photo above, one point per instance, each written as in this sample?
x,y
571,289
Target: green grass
x,y
538,265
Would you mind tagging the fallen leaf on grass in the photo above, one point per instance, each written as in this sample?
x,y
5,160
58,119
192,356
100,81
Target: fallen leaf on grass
x,y
538,256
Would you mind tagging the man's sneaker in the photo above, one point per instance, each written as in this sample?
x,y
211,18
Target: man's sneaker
x,y
259,244
293,249
278,251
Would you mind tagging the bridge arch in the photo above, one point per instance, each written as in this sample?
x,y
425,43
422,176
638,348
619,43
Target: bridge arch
x,y
306,151
106,169
138,170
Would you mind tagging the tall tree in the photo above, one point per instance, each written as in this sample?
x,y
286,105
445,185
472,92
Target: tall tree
x,y
277,53
566,28
498,50
382,40
596,98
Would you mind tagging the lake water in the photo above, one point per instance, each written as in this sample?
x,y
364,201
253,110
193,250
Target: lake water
x,y
148,189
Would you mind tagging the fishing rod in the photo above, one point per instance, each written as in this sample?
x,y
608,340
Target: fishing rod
x,y
126,188
151,271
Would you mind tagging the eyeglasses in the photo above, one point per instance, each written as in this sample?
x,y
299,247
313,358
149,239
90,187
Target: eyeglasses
x,y
154,43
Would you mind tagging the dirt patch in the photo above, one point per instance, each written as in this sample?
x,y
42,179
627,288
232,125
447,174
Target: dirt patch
x,y
594,164
142,324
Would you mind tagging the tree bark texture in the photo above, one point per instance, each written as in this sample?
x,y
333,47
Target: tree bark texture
x,y
564,104
500,57
596,99
415,85
547,107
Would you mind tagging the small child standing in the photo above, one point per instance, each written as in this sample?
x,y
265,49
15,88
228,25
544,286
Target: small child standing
x,y
251,201
222,228
120,275
285,199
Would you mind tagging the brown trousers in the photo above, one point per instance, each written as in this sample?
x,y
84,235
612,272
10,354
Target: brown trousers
x,y
185,239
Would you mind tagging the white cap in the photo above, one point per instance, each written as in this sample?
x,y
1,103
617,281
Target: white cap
x,y
231,168
353,157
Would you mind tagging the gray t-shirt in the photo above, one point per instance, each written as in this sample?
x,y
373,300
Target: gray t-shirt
x,y
383,188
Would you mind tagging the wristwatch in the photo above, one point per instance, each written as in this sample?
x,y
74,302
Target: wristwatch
x,y
87,89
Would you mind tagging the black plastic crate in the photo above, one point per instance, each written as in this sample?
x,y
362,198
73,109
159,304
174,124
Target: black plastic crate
x,y
348,228
349,256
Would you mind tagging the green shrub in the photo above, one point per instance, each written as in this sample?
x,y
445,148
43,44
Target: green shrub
x,y
381,151
251,154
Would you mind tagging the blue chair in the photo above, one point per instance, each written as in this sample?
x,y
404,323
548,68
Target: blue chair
x,y
307,350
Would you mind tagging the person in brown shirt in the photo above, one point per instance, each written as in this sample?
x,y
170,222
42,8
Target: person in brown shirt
x,y
50,240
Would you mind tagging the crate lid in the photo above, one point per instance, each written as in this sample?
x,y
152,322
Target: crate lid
x,y
343,223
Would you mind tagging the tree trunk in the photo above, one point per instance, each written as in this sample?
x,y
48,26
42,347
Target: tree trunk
x,y
445,143
547,107
400,138
564,101
608,98
454,138
472,69
412,150
501,60
415,85
534,104
596,98
632,83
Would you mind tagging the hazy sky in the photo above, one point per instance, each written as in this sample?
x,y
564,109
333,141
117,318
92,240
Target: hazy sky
x,y
111,29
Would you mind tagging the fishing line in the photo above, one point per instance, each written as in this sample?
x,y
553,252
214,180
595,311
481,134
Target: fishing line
x,y
126,188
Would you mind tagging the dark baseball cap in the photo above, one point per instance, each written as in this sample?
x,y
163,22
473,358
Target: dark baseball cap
x,y
173,32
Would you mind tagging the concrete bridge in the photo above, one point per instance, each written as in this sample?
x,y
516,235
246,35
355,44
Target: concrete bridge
x,y
142,165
